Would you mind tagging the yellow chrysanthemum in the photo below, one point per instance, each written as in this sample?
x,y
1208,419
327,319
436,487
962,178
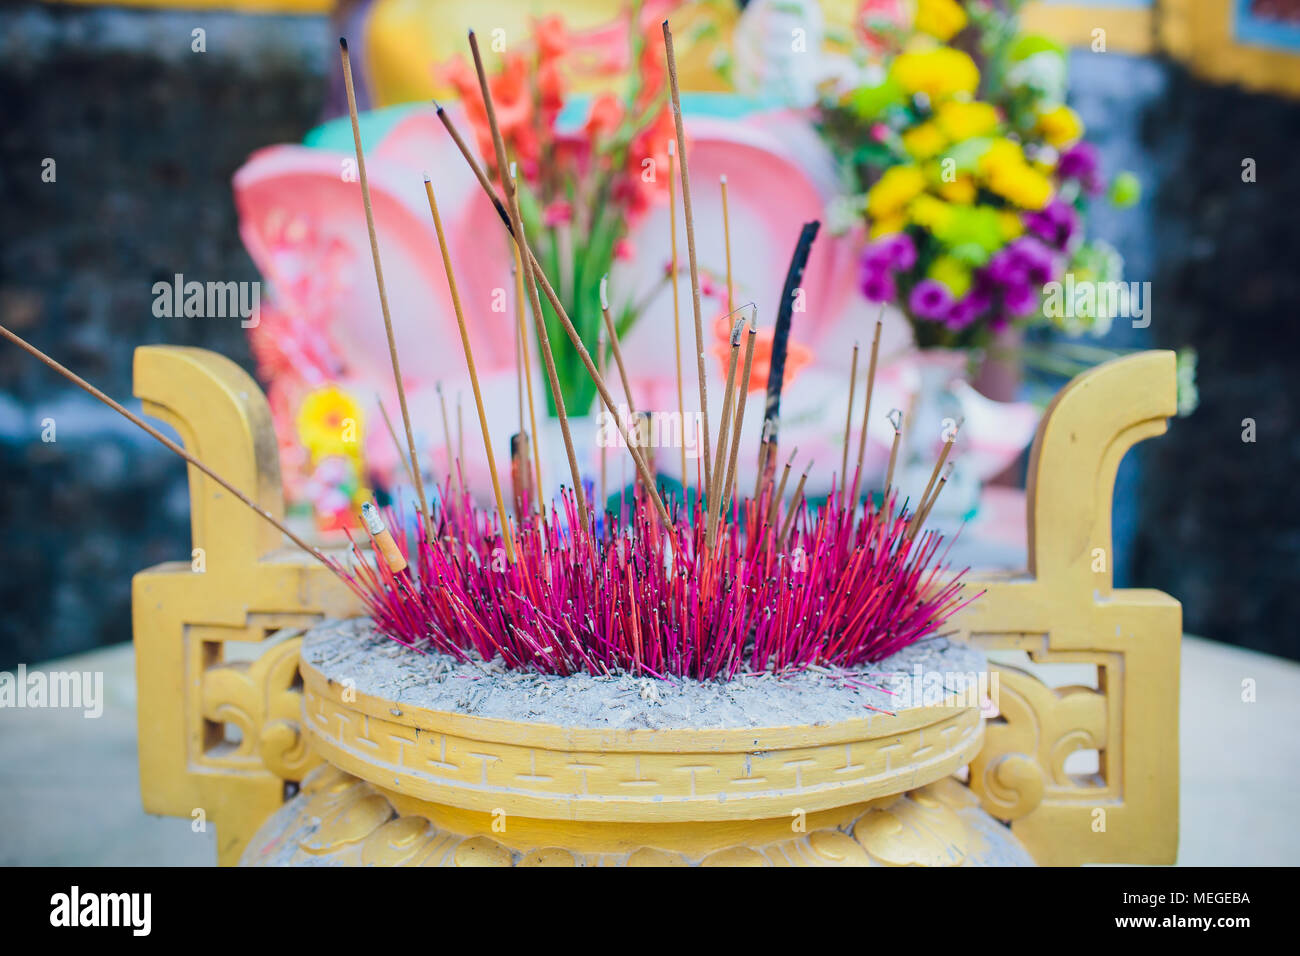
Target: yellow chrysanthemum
x,y
1022,185
924,141
888,226
960,190
965,120
934,214
1002,154
951,273
1010,224
939,18
895,189
329,423
1060,126
940,73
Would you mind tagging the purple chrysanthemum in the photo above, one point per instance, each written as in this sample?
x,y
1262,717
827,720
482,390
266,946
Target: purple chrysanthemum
x,y
930,300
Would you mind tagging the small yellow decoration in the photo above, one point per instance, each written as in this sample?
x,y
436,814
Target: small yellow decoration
x,y
961,190
934,214
329,423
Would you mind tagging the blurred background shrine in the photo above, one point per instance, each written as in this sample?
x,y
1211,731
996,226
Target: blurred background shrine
x,y
151,140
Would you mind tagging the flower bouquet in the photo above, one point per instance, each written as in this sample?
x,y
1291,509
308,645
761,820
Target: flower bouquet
x,y
584,184
971,172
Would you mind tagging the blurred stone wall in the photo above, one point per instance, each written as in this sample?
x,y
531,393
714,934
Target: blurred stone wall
x,y
145,134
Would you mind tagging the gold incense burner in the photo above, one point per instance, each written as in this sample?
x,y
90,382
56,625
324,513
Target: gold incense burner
x,y
366,795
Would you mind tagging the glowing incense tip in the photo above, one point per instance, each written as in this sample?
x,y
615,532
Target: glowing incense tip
x,y
672,147
723,179
604,291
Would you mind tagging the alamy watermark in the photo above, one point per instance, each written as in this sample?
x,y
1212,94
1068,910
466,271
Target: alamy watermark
x,y
651,430
924,688
208,300
1086,299
77,690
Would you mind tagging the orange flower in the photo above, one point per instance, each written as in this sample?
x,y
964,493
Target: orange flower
x,y
603,118
552,38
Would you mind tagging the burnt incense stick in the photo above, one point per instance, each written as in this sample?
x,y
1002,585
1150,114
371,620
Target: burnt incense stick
x,y
794,507
690,243
613,342
866,409
677,314
473,372
392,433
762,464
716,488
781,331
534,444
379,278
848,426
780,489
895,417
167,443
741,395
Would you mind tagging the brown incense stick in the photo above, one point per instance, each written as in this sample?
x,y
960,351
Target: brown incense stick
x,y
866,409
613,342
726,240
848,426
918,520
535,445
715,488
934,474
473,372
379,279
139,422
690,244
677,315
538,278
537,272
602,354
794,508
780,489
742,394
517,228
896,419
392,433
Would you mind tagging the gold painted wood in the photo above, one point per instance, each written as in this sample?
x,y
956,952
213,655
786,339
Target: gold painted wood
x,y
1066,609
339,819
1061,610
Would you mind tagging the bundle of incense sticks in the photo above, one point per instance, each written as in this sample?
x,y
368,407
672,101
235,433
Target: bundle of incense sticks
x,y
716,585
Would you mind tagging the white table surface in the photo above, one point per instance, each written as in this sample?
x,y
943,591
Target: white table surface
x,y
70,792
